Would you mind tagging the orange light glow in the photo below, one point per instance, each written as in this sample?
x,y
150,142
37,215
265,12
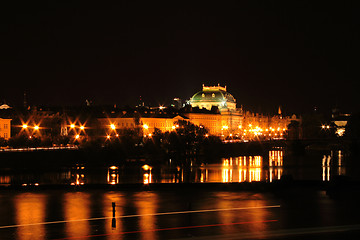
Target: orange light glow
x,y
145,126
146,167
82,127
112,126
24,126
36,127
77,136
72,126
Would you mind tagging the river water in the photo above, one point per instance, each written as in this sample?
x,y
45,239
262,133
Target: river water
x,y
179,212
316,167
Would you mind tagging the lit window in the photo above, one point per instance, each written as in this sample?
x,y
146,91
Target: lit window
x,y
203,95
213,95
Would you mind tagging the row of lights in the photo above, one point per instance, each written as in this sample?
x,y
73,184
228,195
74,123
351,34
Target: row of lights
x,y
35,127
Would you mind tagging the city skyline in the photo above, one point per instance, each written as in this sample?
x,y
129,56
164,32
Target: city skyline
x,y
297,55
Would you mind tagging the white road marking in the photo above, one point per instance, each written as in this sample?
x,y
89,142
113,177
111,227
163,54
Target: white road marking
x,y
141,215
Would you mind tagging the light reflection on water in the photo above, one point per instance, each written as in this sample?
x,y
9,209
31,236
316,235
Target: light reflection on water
x,y
146,204
233,169
77,206
30,208
333,164
76,209
247,169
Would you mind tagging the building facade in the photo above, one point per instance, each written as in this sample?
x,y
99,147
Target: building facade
x,y
213,108
5,128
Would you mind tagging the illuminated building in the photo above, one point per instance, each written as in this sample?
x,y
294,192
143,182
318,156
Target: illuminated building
x,y
149,122
339,121
5,128
212,108
214,96
232,121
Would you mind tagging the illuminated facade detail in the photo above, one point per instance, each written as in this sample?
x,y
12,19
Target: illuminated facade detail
x,y
211,96
232,122
5,128
148,124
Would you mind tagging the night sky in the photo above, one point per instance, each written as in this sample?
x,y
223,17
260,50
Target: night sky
x,y
297,54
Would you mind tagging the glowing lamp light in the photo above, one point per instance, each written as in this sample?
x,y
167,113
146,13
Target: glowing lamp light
x,y
225,127
24,126
173,127
146,167
108,136
145,126
146,178
36,127
82,127
112,126
323,126
72,126
77,136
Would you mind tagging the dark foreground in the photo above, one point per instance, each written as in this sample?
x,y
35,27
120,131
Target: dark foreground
x,y
287,211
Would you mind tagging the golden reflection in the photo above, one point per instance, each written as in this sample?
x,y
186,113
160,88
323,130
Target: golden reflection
x,y
202,176
5,180
248,169
326,174
146,203
275,173
225,175
77,206
113,175
147,178
275,158
30,208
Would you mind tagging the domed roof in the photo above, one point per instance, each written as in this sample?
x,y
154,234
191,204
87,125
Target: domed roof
x,y
213,94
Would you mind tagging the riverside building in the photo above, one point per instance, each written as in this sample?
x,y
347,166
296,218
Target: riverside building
x,y
213,108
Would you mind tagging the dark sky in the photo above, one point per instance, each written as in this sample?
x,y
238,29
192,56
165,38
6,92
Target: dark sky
x,y
297,54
